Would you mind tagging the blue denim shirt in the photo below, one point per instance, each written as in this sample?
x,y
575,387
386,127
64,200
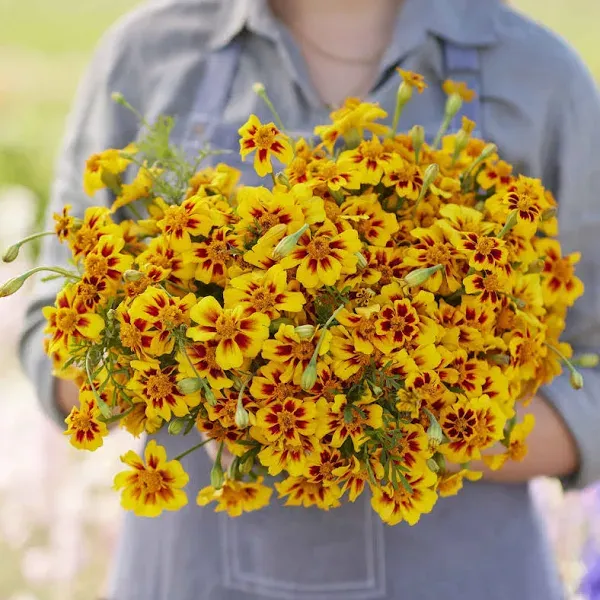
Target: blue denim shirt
x,y
542,109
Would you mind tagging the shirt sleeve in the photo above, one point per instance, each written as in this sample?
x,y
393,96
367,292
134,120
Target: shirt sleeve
x,y
575,172
95,123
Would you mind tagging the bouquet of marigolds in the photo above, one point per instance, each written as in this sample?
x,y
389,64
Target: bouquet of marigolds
x,y
368,319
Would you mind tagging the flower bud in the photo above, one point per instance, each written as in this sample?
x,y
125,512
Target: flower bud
x,y
11,253
282,179
588,360
132,275
246,466
377,391
433,466
499,359
189,385
362,261
576,379
217,477
453,105
11,286
258,88
242,418
210,397
288,243
309,377
176,426
548,214
431,173
417,134
405,93
434,432
420,276
305,332
537,266
118,98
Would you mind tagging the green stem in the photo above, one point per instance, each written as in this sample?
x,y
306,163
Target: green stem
x,y
192,449
441,131
104,408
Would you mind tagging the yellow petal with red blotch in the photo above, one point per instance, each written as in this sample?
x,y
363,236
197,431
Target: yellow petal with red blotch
x,y
206,312
307,273
329,270
178,477
133,460
282,149
155,455
229,355
90,325
262,162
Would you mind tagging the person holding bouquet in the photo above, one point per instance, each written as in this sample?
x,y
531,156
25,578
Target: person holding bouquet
x,y
198,61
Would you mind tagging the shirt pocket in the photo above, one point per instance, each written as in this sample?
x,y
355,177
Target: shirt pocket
x,y
289,553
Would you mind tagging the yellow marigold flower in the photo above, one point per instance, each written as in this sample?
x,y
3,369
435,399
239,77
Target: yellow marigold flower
x,y
471,372
527,350
64,223
106,261
92,292
362,325
283,455
471,426
287,420
194,216
496,175
423,388
322,257
369,159
212,256
406,178
203,357
265,293
355,476
69,320
354,117
84,425
459,88
133,332
298,491
449,484
96,223
401,324
321,466
259,210
412,449
465,219
294,352
488,286
347,359
238,335
266,140
153,484
236,497
414,80
335,176
164,313
342,420
137,422
517,448
559,283
434,247
140,187
374,225
220,179
484,252
396,505
269,384
225,407
161,254
528,289
102,170
158,387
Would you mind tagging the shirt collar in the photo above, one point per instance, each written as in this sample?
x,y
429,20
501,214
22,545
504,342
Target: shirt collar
x,y
464,22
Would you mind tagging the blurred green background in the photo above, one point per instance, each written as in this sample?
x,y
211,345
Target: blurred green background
x,y
45,44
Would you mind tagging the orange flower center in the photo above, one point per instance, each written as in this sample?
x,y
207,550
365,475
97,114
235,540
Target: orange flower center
x,y
171,317
96,265
318,248
286,420
518,450
85,239
328,172
282,391
150,481
438,254
262,300
492,283
158,387
264,137
87,292
563,270
81,422
217,251
372,150
130,335
298,167
66,319
332,211
226,327
211,358
485,245
527,351
135,288
175,218
160,260
268,220
303,350
362,297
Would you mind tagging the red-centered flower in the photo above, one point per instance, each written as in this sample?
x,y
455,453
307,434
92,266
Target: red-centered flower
x,y
203,357
213,256
84,425
321,466
485,252
133,332
287,420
